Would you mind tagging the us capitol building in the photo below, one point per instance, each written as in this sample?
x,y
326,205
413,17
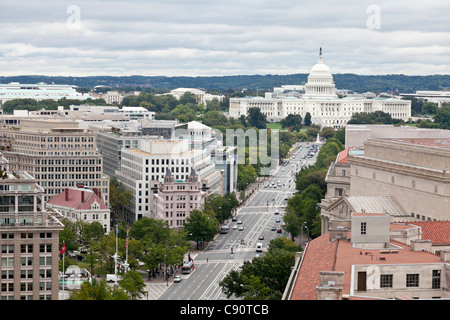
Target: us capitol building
x,y
318,97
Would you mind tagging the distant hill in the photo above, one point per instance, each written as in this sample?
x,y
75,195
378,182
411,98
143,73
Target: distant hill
x,y
359,83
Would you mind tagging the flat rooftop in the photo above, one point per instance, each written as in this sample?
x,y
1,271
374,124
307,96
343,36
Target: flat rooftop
x,y
429,142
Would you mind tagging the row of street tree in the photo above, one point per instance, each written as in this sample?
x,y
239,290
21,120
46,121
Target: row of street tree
x,y
148,246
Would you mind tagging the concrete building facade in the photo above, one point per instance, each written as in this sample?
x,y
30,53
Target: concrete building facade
x,y
29,234
58,154
143,169
177,198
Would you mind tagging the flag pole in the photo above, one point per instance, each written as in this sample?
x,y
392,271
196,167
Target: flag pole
x,y
63,265
126,255
115,257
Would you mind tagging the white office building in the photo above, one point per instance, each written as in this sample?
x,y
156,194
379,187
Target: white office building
x,y
144,168
39,91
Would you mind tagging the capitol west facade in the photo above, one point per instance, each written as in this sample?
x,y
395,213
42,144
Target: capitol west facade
x,y
318,97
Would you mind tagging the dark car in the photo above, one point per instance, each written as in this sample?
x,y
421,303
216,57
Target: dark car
x,y
278,230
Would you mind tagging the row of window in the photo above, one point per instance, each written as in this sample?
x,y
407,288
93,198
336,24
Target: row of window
x,y
412,280
42,235
26,248
25,261
26,286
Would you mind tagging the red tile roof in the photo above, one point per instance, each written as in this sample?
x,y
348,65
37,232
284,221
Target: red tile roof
x,y
343,156
74,199
436,231
341,255
318,256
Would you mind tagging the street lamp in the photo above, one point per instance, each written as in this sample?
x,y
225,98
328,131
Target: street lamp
x,y
307,230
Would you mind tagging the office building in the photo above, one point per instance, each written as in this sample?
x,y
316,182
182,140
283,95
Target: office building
x,y
58,154
113,137
39,91
407,178
29,240
177,198
142,169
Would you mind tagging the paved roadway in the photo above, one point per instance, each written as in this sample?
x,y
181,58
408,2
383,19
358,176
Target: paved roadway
x,y
228,251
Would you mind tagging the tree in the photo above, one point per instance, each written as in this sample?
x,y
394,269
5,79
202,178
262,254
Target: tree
x,y
201,227
92,232
68,235
292,121
293,223
264,277
184,112
91,257
221,206
97,290
307,119
133,285
340,135
246,175
255,118
327,132
188,97
429,108
119,197
442,116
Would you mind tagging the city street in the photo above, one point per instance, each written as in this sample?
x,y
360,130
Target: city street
x,y
262,215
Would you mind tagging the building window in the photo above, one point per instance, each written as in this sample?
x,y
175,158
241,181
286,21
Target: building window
x,y
412,280
436,279
386,280
363,227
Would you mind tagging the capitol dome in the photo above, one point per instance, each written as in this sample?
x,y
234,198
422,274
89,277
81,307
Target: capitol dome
x,y
320,83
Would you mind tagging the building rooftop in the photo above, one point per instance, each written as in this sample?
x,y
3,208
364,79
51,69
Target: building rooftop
x,y
77,198
428,142
381,204
436,231
340,256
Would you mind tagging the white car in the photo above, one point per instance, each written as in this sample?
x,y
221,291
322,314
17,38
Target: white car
x,y
177,279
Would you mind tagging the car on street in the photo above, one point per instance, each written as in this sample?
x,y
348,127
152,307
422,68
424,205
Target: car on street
x,y
177,279
273,229
241,228
277,221
261,238
240,222
235,227
278,230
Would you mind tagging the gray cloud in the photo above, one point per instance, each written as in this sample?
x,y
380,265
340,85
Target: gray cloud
x,y
200,37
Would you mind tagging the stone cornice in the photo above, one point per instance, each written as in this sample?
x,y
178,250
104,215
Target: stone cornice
x,y
398,167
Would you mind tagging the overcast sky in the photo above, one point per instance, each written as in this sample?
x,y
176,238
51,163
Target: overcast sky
x,y
222,37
